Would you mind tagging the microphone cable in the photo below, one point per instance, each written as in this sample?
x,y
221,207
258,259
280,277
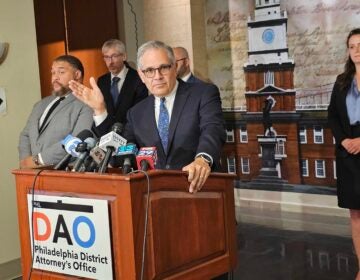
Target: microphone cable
x,y
32,221
146,220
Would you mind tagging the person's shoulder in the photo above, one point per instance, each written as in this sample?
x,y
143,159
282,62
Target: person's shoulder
x,y
199,88
46,100
138,107
104,77
132,73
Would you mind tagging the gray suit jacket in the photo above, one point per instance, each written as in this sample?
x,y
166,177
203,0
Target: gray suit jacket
x,y
70,117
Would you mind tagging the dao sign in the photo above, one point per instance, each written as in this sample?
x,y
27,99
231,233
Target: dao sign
x,y
71,235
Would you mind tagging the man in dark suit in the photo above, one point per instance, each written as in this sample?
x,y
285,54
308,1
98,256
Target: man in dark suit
x,y
182,120
121,87
183,66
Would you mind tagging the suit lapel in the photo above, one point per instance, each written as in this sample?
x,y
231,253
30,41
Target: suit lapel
x,y
179,103
58,109
346,120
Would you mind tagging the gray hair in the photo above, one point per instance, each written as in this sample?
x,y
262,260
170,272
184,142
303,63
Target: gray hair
x,y
154,45
114,43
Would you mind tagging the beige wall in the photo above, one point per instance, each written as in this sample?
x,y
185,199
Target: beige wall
x,y
178,23
20,78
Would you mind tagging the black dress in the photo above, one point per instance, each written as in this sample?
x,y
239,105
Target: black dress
x,y
347,165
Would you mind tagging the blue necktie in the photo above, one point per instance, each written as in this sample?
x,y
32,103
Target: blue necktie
x,y
114,89
163,124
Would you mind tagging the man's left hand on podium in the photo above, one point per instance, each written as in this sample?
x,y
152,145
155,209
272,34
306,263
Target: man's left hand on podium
x,y
199,171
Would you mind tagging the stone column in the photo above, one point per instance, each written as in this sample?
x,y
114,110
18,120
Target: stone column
x,y
179,23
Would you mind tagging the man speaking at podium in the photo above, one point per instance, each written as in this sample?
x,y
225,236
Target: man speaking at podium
x,y
183,121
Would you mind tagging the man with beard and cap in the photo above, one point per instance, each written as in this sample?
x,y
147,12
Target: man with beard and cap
x,y
54,117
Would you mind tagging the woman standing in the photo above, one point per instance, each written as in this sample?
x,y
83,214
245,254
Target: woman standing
x,y
344,120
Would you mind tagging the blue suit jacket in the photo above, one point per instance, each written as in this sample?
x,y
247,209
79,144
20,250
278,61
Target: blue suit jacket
x,y
196,126
193,79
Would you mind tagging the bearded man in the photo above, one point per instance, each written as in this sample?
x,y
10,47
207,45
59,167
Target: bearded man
x,y
54,117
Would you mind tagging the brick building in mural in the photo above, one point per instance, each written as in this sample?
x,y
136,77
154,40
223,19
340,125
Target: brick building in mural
x,y
305,146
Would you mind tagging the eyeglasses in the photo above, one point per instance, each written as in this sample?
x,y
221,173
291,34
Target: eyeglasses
x,y
112,57
163,70
181,59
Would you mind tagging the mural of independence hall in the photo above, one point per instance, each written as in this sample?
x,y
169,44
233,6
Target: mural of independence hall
x,y
276,89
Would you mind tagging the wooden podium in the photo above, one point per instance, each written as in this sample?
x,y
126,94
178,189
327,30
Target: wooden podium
x,y
189,236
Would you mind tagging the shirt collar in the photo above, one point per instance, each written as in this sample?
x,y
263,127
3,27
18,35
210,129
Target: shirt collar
x,y
122,74
171,95
186,77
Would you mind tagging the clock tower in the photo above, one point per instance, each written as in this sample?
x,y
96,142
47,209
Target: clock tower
x,y
267,34
269,70
269,75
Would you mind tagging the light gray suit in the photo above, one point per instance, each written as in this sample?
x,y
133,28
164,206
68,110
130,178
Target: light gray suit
x,y
70,117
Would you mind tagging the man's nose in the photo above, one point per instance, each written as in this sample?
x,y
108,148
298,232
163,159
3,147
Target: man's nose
x,y
158,74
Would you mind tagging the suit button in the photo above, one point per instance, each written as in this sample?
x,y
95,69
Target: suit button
x,y
167,166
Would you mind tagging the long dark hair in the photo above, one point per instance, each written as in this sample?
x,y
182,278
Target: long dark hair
x,y
346,77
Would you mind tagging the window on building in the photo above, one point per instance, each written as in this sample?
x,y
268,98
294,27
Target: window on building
x,y
324,260
318,134
309,257
269,78
230,135
305,167
320,168
243,134
245,165
342,262
231,163
334,167
280,147
303,137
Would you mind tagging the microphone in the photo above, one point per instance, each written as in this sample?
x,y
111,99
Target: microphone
x,y
83,148
97,154
146,158
69,144
110,143
127,155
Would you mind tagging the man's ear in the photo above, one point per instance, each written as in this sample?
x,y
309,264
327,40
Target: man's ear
x,y
124,57
78,76
141,75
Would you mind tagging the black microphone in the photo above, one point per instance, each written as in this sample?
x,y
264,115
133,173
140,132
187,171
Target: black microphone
x,y
69,144
110,143
84,149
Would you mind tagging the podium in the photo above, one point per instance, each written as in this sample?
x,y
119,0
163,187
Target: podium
x,y
189,236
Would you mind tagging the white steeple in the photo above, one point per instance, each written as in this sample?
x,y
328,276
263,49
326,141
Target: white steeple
x,y
267,34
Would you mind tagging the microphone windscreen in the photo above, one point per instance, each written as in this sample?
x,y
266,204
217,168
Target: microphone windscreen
x,y
82,135
117,127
